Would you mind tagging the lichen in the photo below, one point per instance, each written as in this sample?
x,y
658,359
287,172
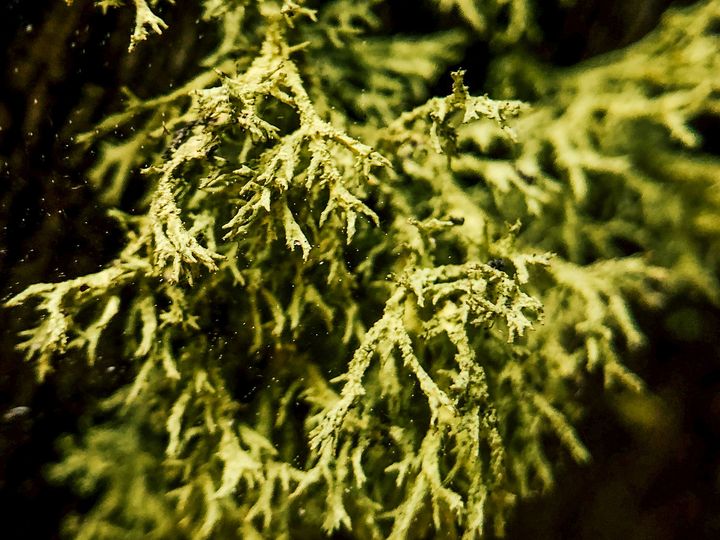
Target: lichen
x,y
342,307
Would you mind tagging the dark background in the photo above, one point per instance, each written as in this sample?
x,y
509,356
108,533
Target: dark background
x,y
656,461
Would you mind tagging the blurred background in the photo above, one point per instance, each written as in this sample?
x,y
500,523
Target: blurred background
x,y
655,472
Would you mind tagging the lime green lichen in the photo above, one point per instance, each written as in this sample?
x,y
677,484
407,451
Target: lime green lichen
x,y
619,136
326,327
146,22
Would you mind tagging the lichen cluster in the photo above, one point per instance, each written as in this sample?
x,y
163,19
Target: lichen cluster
x,y
349,305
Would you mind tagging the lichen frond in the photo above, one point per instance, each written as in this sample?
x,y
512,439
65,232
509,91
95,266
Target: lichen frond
x,y
371,312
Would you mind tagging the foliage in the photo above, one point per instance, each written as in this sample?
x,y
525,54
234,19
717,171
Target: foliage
x,y
349,305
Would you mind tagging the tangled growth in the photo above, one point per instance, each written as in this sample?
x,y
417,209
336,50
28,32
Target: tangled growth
x,y
349,305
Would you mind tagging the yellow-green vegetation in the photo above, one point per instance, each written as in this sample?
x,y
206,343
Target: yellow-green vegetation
x,y
349,305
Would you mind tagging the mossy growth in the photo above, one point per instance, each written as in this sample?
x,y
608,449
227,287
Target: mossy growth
x,y
348,305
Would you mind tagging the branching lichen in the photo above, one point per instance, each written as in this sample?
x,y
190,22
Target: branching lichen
x,y
346,304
